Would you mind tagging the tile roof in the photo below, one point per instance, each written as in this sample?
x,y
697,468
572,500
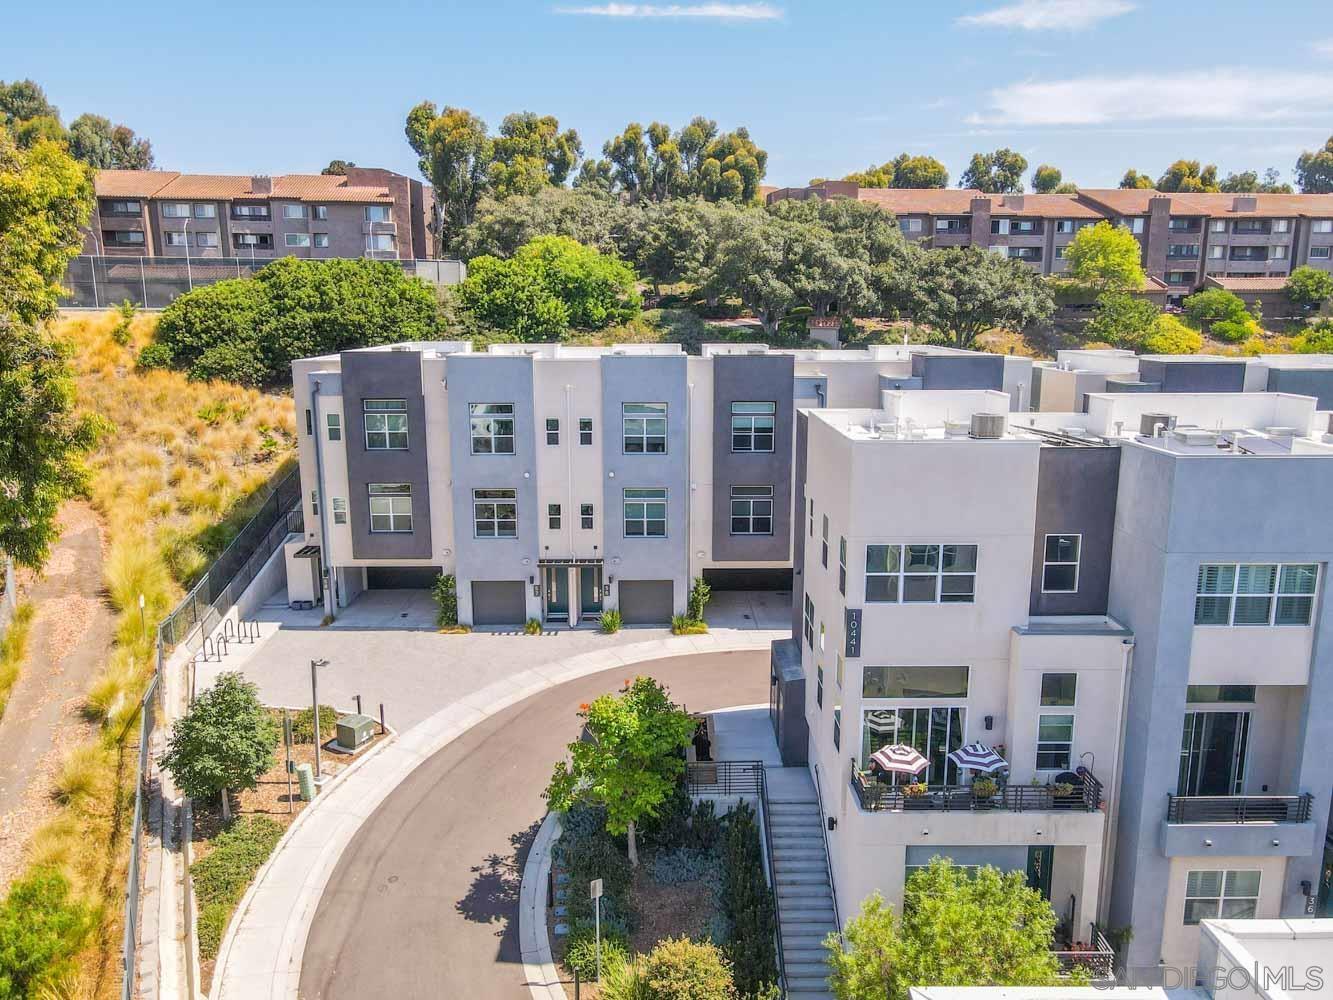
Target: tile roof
x,y
1044,206
1121,201
1124,201
227,187
921,201
1247,284
133,183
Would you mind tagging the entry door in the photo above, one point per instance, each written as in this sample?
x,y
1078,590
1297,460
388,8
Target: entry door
x,y
590,590
1212,753
557,593
1040,860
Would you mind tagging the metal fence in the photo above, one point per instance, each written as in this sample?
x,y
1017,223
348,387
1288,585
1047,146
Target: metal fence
x,y
93,282
130,947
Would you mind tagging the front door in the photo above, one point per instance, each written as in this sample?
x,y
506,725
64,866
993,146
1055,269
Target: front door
x,y
1212,753
590,591
557,593
1040,860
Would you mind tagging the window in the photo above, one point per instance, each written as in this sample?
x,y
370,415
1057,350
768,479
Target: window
x,y
1217,251
390,507
1059,572
837,728
176,239
552,430
1281,225
585,516
377,213
553,516
821,637
1322,226
339,510
206,239
309,422
823,544
1277,253
921,574
296,239
1218,226
645,513
819,686
335,424
809,627
812,517
837,676
643,428
1055,742
379,242
252,241
1219,693
585,430
123,238
1025,253
1179,277
205,210
1255,594
320,212
1135,225
314,502
1058,690
321,240
1231,895
752,426
1320,253
1000,227
842,566
914,682
492,428
1250,226
494,514
752,510
1179,225
1187,250
121,208
249,212
386,424
175,210
952,225
910,225
293,211
1064,225
1060,253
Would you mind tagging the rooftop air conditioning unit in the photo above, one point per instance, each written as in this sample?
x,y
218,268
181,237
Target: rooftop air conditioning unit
x,y
1148,423
1195,437
987,426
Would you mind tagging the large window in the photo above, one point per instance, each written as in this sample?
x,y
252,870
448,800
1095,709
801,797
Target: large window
x,y
921,574
175,210
752,426
645,513
386,424
1055,730
293,211
752,510
1230,895
1059,571
914,682
379,242
205,210
296,239
119,207
176,239
206,239
252,241
377,213
123,238
494,514
390,507
934,731
1255,593
492,428
644,428
257,212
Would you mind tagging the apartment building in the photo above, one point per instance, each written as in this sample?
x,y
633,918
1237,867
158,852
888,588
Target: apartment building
x,y
1126,602
370,212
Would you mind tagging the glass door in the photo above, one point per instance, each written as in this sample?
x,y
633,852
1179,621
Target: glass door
x,y
933,732
1212,753
557,593
590,590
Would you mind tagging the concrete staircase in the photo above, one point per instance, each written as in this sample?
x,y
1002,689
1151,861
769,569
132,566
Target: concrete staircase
x,y
805,898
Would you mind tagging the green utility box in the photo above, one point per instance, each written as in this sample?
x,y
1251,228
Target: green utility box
x,y
355,731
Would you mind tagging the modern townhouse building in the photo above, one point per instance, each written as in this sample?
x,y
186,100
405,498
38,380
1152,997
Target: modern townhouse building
x,y
1128,602
369,212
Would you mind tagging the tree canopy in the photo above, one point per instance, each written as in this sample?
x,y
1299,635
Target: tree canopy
x,y
1122,320
1000,172
455,156
1309,287
29,118
1106,257
1314,170
965,291
338,168
903,171
1045,179
1188,175
593,218
1247,182
1135,180
655,164
532,153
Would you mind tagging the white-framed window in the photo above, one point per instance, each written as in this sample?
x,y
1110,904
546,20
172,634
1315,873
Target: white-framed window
x,y
1135,225
585,516
335,425
491,428
205,210
206,239
249,211
296,239
339,505
320,212
643,428
910,225
123,237
1322,226
390,507
293,211
752,510
494,514
1321,253
809,626
1217,226
1064,225
552,430
752,426
175,210
386,424
377,213
1217,251
1277,253
314,502
321,240
1255,593
842,566
1059,570
585,430
921,574
1060,253
1281,225
1229,895
379,242
1055,730
176,239
553,516
645,512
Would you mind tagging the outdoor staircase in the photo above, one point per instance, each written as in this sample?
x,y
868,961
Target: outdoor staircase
x,y
805,898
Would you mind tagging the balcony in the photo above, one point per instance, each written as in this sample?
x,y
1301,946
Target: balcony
x,y
1096,957
877,796
1240,825
1238,808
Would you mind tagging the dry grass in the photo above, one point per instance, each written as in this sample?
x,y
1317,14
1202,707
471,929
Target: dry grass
x,y
172,480
13,648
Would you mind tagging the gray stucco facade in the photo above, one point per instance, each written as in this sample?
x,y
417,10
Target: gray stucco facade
x,y
1194,376
1317,382
959,371
1076,490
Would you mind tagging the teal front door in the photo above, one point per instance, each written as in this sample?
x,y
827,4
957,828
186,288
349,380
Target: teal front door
x,y
1040,860
590,590
557,593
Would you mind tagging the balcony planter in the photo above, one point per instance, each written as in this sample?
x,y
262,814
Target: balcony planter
x,y
915,796
984,791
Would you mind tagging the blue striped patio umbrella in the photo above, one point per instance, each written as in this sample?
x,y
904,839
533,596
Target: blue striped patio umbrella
x,y
978,757
898,758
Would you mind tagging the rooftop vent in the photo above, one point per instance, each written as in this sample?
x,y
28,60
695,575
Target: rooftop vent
x,y
1279,432
1195,437
1245,203
261,184
987,426
957,428
1149,422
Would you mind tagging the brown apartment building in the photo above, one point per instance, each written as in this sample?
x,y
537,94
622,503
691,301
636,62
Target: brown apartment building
x,y
1229,240
370,212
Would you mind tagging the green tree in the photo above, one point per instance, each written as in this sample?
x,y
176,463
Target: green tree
x,y
223,743
1216,305
919,172
1314,170
1309,288
965,291
1188,175
863,230
655,164
1122,320
44,198
104,146
23,100
1170,336
338,168
41,929
957,928
595,176
1000,172
531,153
632,761
1247,181
1106,257
1045,179
455,156
671,239
1135,180
594,219
1317,338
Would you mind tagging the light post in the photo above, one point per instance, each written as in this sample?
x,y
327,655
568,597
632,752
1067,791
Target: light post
x,y
143,625
314,698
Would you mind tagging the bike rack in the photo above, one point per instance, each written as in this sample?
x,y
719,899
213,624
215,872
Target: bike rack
x,y
228,628
222,647
208,642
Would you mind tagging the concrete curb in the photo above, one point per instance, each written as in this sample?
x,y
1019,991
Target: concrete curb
x,y
538,965
261,956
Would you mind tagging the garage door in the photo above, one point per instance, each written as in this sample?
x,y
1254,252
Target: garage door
x,y
645,602
401,577
498,602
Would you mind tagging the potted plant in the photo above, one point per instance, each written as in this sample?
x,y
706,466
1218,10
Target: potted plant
x,y
914,795
984,789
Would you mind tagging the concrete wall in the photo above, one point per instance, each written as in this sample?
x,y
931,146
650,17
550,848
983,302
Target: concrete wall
x,y
1194,376
1076,490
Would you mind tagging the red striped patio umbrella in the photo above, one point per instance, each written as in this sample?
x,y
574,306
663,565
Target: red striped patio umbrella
x,y
978,757
898,758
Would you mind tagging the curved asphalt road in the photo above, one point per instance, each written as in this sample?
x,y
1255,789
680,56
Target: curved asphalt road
x,y
424,901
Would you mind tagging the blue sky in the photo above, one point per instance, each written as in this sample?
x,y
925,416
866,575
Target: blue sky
x,y
1091,86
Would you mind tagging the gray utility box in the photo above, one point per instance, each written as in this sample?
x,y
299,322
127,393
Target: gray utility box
x,y
355,731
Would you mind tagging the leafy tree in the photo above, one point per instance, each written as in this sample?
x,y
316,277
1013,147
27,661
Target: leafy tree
x,y
1309,287
1170,336
1216,305
103,146
1122,320
23,100
1135,180
671,239
632,762
863,230
41,929
1046,179
456,156
919,172
654,164
965,291
956,929
44,197
1000,172
531,153
594,219
748,904
338,168
1317,338
224,742
1106,257
1314,170
731,169
1187,175
595,176
1248,182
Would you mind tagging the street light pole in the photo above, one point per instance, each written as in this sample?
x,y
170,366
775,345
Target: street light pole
x,y
314,698
143,625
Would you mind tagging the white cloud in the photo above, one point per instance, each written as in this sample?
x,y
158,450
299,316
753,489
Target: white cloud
x,y
1242,96
706,11
1049,15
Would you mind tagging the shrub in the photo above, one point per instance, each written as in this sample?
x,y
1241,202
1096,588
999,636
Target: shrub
x,y
1317,338
1230,331
588,852
706,826
684,864
445,592
13,648
221,877
700,592
685,625
581,951
234,362
1170,336
681,969
1309,288
1216,305
41,929
155,356
303,724
212,924
623,981
532,626
610,621
748,903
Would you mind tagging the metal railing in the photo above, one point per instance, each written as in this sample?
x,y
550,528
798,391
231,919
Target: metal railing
x,y
876,796
1097,957
130,945
828,855
1239,808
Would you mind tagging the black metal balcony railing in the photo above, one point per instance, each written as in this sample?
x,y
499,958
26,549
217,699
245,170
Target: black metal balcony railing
x,y
876,796
1238,808
1097,958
